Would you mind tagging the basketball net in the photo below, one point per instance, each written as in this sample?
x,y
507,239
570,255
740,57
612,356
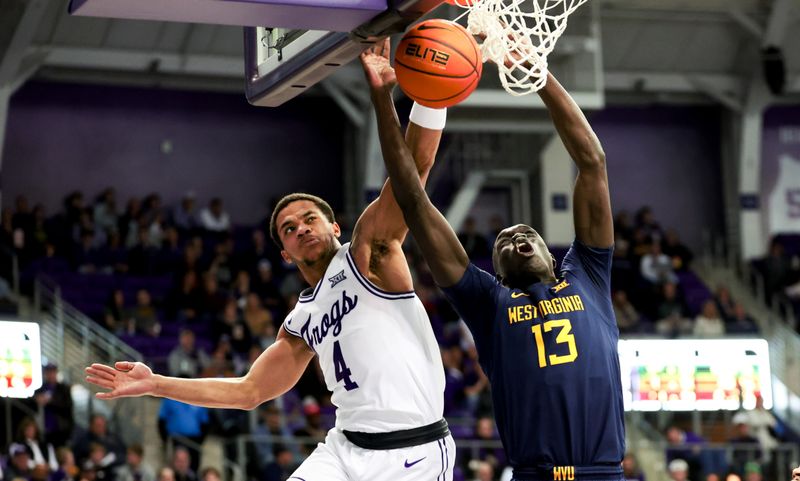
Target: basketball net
x,y
520,34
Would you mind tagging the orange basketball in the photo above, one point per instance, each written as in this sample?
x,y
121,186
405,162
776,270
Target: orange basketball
x,y
438,63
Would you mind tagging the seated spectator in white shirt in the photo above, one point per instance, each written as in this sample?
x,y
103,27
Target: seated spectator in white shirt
x,y
708,323
656,267
214,218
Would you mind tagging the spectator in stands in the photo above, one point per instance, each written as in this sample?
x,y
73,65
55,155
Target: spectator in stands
x,y
105,211
210,474
142,318
313,428
752,471
257,252
741,323
135,469
761,424
673,248
708,322
623,228
234,328
628,318
725,303
624,274
182,465
128,223
166,474
270,424
54,402
67,469
485,430
19,462
155,231
213,299
281,467
101,462
142,256
646,222
671,313
39,451
84,255
484,471
186,360
452,357
114,315
222,263
151,208
176,421
183,215
474,242
170,254
713,477
98,433
113,258
255,316
23,217
656,268
630,468
685,446
777,269
185,303
38,236
264,285
749,449
214,218
678,470
241,288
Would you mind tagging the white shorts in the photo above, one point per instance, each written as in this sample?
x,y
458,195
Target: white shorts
x,y
337,459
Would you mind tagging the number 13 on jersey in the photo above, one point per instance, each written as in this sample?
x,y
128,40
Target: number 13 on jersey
x,y
564,336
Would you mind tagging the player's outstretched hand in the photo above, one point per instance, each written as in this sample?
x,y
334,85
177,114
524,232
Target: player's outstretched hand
x,y
125,379
377,67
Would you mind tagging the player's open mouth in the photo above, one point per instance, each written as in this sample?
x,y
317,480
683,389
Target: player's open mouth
x,y
524,249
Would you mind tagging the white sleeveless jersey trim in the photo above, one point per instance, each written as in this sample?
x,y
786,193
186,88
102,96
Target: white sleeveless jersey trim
x,y
376,349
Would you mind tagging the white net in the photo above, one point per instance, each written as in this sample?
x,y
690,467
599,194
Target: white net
x,y
519,35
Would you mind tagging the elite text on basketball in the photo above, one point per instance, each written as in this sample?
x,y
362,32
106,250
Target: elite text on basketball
x,y
436,56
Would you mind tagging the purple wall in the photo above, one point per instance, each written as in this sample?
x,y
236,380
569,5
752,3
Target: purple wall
x,y
668,158
66,137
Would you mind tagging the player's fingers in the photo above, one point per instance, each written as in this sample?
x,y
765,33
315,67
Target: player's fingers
x,y
99,373
124,365
100,382
105,395
385,48
103,367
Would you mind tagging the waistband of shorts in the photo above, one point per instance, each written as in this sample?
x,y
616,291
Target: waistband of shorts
x,y
400,439
569,473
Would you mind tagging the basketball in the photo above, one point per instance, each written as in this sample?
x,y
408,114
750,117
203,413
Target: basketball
x,y
438,63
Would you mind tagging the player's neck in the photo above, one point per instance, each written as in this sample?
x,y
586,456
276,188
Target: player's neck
x,y
313,272
528,279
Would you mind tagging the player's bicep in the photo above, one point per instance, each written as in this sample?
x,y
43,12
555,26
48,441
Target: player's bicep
x,y
592,208
280,366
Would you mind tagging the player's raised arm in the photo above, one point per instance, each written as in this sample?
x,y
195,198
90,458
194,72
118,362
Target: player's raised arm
x,y
380,231
592,205
275,371
440,246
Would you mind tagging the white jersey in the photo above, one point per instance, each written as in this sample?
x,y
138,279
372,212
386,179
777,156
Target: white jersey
x,y
376,349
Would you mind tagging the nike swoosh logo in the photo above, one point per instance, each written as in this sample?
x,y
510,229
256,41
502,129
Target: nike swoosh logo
x,y
516,295
408,465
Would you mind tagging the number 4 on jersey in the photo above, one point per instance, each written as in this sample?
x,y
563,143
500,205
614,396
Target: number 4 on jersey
x,y
341,369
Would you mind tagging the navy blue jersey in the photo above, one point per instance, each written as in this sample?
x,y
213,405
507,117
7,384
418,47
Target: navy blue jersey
x,y
550,353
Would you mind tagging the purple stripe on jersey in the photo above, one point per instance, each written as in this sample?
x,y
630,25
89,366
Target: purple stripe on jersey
x,y
303,300
373,289
441,475
446,459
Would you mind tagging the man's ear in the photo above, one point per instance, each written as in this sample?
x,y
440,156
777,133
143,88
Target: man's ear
x,y
286,258
337,231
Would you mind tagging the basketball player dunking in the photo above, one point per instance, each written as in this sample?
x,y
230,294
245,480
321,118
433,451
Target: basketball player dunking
x,y
546,340
371,333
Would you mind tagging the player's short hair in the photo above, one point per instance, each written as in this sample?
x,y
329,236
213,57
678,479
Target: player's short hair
x,y
288,199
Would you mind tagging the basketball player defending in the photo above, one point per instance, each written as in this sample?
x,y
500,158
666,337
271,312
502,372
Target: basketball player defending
x,y
371,333
546,340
